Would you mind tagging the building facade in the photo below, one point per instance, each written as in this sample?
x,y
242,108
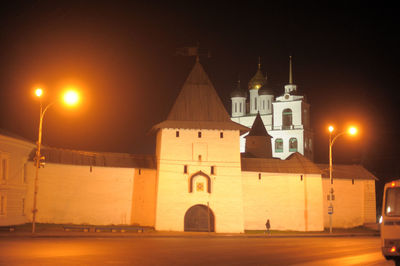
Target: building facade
x,y
197,180
286,117
14,179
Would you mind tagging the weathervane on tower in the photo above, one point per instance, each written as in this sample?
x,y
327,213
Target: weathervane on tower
x,y
193,51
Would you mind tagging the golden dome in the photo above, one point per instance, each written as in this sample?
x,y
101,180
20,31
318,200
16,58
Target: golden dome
x,y
258,80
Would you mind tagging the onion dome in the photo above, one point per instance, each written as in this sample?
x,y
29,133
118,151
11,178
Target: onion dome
x,y
265,90
258,80
238,92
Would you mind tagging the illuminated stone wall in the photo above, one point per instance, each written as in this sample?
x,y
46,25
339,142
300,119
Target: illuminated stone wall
x,y
75,194
13,187
289,202
354,204
174,197
144,197
369,202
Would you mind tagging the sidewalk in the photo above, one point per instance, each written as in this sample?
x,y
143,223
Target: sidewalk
x,y
58,231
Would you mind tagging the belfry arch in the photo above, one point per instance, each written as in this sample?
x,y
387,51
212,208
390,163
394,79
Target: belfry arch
x,y
287,118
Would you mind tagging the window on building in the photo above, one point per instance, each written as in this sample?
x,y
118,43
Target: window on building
x,y
235,107
199,134
287,119
185,169
4,169
279,145
221,135
263,106
293,144
259,176
177,134
240,107
212,170
23,207
25,173
255,103
2,205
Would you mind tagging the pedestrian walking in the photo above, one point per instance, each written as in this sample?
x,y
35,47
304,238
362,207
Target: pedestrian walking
x,y
267,226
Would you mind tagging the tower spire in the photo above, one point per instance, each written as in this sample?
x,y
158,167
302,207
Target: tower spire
x,y
290,87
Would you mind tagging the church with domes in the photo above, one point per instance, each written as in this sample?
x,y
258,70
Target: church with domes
x,y
211,172
286,117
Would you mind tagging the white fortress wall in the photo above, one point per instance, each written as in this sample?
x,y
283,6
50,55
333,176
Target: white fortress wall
x,y
78,195
287,200
144,197
350,203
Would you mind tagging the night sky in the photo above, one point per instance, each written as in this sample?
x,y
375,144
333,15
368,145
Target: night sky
x,y
121,55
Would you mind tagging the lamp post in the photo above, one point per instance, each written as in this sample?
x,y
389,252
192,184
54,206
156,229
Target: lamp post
x,y
350,131
70,98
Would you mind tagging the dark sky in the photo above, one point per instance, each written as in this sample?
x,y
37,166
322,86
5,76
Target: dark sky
x,y
121,55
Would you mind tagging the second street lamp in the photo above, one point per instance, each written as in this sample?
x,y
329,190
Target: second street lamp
x,y
70,98
350,131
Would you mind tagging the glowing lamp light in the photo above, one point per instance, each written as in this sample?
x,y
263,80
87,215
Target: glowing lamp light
x,y
38,92
393,249
331,128
71,97
393,184
352,130
380,219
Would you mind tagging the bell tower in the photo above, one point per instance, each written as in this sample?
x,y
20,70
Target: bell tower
x,y
291,127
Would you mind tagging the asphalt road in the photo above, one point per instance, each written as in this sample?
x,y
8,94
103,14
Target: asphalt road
x,y
191,251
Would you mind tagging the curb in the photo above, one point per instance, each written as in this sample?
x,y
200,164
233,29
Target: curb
x,y
172,235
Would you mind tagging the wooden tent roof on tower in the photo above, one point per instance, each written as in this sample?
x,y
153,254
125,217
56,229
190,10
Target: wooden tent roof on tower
x,y
198,106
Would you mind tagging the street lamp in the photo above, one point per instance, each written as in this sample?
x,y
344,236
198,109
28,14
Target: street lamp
x,y
70,98
350,131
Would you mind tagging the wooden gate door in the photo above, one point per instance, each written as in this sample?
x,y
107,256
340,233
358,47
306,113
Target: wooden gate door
x,y
199,218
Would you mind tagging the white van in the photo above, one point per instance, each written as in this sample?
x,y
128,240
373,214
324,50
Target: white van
x,y
390,223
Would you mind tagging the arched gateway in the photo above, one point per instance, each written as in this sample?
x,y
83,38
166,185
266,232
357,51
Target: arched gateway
x,y
199,218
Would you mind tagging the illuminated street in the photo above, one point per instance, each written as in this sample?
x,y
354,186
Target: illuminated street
x,y
192,251
186,133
